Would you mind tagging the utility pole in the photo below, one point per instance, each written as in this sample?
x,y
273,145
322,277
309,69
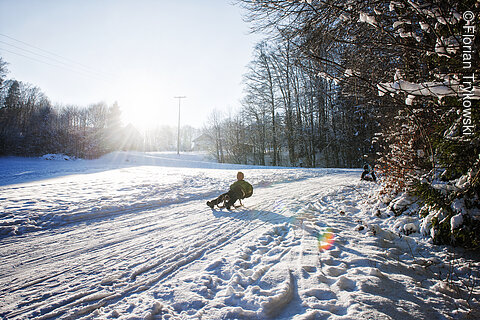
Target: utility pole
x,y
178,138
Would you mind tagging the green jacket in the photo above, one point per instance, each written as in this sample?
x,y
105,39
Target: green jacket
x,y
242,187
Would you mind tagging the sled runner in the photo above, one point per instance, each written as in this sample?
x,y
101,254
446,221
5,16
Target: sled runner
x,y
223,203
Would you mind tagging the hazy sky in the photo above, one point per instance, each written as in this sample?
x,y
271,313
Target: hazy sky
x,y
140,53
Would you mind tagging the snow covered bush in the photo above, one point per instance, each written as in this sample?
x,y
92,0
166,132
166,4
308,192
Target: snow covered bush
x,y
451,212
428,152
410,64
443,176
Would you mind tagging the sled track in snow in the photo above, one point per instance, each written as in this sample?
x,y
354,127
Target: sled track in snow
x,y
86,297
142,244
81,267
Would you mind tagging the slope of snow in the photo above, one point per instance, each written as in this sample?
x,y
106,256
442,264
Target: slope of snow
x,y
20,170
130,237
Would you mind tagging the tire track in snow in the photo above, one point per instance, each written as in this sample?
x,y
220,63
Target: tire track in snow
x,y
245,273
123,248
151,274
227,237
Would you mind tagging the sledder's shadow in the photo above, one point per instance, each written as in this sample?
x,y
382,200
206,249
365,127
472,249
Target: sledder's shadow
x,y
245,213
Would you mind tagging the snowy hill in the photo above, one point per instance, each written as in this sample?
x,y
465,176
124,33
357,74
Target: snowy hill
x,y
129,236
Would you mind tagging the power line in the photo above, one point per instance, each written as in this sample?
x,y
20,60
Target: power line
x,y
69,63
56,55
53,65
62,64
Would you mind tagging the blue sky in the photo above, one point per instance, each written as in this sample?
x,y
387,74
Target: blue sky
x,y
140,53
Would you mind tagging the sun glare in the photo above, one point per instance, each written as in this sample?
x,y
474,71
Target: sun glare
x,y
147,108
143,116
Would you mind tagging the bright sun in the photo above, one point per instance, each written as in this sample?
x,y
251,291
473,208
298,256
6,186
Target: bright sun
x,y
143,116
145,108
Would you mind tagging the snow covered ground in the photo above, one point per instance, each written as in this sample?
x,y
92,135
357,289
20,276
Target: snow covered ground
x,y
129,236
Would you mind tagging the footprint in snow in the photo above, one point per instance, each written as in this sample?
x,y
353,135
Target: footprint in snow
x,y
320,294
335,271
345,283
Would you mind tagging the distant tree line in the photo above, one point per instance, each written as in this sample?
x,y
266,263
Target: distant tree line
x,y
293,116
31,126
164,138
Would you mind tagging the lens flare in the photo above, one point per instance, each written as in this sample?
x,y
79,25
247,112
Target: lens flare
x,y
326,239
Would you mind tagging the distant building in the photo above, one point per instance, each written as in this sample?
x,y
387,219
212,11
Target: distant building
x,y
203,143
